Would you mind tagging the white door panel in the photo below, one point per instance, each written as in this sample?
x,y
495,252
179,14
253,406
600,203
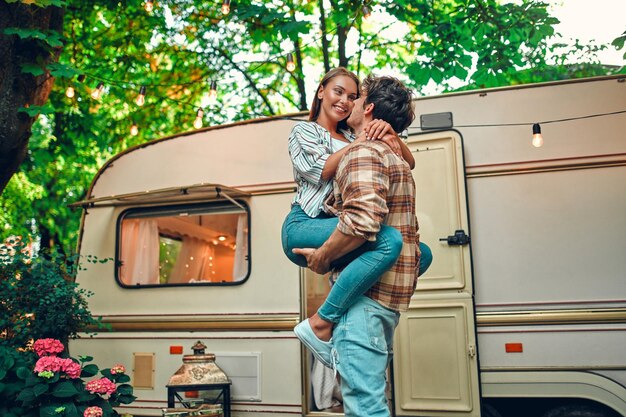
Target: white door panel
x,y
441,210
442,368
436,364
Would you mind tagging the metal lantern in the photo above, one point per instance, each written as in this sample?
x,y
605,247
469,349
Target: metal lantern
x,y
198,369
199,373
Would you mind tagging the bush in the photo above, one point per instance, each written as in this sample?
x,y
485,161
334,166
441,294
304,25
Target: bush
x,y
10,383
39,298
55,387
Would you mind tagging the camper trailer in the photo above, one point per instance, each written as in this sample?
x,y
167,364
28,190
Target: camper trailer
x,y
522,313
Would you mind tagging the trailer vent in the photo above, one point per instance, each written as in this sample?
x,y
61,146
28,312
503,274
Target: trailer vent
x,y
244,370
436,121
143,370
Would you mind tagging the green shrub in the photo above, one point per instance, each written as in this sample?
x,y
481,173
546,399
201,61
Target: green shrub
x,y
55,385
11,360
39,298
41,308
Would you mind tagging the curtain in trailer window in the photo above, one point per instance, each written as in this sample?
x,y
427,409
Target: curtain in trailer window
x,y
140,251
240,264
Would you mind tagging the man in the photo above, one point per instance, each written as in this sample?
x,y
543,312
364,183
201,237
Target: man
x,y
373,185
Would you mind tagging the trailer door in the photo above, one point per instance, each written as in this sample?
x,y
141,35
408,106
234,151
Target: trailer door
x,y
436,362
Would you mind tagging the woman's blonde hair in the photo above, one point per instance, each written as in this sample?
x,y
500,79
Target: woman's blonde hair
x,y
317,103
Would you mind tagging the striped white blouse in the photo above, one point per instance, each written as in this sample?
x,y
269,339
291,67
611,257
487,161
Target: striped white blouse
x,y
309,147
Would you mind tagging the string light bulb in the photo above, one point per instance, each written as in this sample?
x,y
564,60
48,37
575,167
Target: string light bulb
x,y
71,92
141,98
134,130
149,6
226,6
291,65
213,92
97,92
366,11
198,122
537,138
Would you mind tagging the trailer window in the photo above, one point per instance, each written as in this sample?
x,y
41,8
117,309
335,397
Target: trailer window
x,y
183,245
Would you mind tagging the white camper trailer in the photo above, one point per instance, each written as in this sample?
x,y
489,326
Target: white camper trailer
x,y
523,309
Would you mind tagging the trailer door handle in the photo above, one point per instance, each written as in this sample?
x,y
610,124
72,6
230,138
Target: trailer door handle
x,y
471,351
457,239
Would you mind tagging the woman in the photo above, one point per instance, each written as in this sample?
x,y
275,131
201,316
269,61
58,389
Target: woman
x,y
316,147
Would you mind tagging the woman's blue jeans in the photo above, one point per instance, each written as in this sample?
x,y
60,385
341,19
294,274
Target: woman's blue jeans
x,y
363,266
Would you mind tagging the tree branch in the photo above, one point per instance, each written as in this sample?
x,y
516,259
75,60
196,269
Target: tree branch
x,y
250,81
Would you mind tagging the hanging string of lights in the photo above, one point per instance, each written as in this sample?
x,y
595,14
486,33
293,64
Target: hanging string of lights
x,y
98,92
537,137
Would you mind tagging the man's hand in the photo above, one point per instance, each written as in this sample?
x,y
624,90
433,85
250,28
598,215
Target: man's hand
x,y
314,259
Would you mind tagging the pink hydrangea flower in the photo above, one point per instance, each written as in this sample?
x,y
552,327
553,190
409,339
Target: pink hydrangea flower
x,y
71,368
48,363
56,364
118,369
47,347
101,386
93,412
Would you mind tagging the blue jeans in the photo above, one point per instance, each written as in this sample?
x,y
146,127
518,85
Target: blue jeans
x,y
426,258
363,344
363,266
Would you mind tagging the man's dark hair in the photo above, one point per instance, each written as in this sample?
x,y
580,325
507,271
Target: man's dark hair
x,y
392,101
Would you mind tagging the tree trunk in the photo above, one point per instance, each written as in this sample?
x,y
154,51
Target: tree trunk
x,y
325,43
45,237
18,89
300,76
298,73
342,36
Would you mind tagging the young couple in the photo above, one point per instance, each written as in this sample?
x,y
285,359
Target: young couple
x,y
354,212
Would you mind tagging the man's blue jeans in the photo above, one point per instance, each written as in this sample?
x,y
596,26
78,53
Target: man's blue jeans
x,y
363,266
363,345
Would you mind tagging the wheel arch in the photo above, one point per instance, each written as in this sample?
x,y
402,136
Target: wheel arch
x,y
572,385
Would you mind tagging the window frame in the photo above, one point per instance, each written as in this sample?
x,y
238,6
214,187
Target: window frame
x,y
209,206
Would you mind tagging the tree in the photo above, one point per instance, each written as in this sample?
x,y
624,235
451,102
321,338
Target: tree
x,y
29,42
179,48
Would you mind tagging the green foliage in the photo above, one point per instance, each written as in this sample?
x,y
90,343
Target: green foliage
x,y
33,69
619,42
28,391
485,43
33,111
51,38
14,366
40,3
59,70
39,297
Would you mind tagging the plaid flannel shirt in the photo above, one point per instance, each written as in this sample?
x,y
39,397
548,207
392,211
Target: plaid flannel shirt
x,y
373,186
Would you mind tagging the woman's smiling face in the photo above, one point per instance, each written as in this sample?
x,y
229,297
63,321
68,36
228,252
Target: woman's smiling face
x,y
337,98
